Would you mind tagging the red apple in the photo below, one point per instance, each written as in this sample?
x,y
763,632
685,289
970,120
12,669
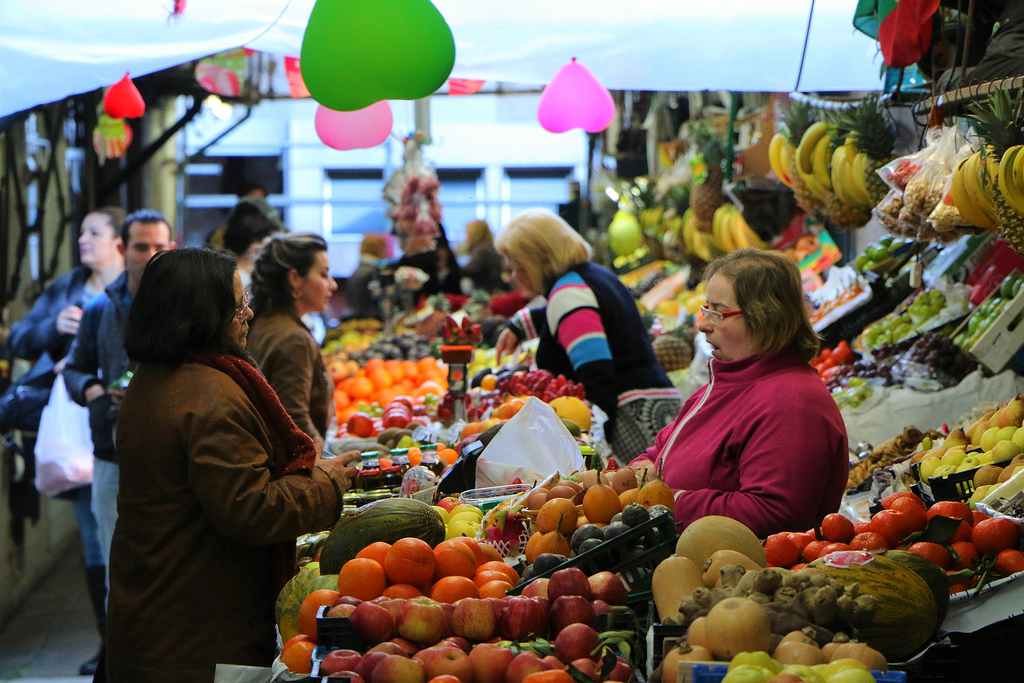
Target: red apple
x,y
448,503
459,642
372,623
394,607
422,621
449,610
343,610
553,662
398,669
369,662
360,424
588,668
622,671
497,606
609,587
522,665
536,589
352,676
438,661
474,619
574,642
339,660
523,617
570,609
489,663
571,581
601,607
408,647
390,648
349,600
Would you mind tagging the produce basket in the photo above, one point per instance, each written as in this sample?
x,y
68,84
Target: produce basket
x,y
335,633
705,673
957,486
614,555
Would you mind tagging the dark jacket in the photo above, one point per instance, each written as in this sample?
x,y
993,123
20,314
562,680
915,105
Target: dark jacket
x,y
484,269
291,361
36,333
357,290
191,581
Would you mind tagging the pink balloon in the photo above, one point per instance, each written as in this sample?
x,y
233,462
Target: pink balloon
x,y
574,99
360,129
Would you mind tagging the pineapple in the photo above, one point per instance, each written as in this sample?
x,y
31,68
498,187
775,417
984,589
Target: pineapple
x,y
707,197
874,136
674,350
1001,121
797,120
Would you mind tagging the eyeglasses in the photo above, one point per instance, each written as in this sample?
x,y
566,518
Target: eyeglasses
x,y
717,317
241,309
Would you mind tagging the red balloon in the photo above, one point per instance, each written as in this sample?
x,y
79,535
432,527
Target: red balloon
x,y
906,32
123,100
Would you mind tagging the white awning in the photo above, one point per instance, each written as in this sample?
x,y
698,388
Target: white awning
x,y
50,49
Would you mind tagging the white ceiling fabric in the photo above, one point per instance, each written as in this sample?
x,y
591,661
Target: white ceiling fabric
x,y
50,49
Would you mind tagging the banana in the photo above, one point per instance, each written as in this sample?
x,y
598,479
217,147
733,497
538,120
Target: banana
x,y
729,232
805,150
860,188
786,158
979,193
702,249
967,207
842,176
744,236
775,159
689,230
820,163
1006,181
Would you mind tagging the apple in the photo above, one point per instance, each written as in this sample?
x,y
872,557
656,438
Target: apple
x,y
390,647
360,424
438,661
398,669
474,619
588,668
622,671
522,665
601,607
608,586
369,662
339,660
408,647
571,581
553,662
349,600
449,610
536,589
343,610
574,642
570,609
459,642
448,503
523,617
489,663
497,606
352,676
372,623
422,621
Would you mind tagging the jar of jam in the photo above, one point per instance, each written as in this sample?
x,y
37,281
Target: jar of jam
x,y
392,476
372,478
432,461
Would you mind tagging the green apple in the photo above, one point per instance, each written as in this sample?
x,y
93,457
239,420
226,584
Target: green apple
x,y
944,471
745,673
928,467
1005,450
953,457
969,463
986,458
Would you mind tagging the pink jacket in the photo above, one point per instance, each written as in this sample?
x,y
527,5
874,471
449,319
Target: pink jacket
x,y
762,442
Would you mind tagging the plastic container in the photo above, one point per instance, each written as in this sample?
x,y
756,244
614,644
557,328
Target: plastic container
x,y
335,633
488,497
957,486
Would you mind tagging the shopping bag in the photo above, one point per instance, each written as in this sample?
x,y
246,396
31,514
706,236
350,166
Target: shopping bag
x,y
64,445
530,446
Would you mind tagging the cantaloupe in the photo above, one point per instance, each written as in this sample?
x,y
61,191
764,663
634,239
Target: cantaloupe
x,y
708,534
289,600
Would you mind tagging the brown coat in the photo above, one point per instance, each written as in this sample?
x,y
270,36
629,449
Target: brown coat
x,y
290,359
190,562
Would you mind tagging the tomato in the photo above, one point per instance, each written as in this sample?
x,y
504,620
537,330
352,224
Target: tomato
x,y
869,540
837,528
360,424
1009,561
967,555
893,525
992,536
952,509
932,551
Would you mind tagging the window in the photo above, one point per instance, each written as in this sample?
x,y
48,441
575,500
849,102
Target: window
x,y
354,201
462,200
526,188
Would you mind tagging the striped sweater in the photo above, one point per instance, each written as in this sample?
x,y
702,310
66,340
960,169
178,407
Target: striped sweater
x,y
591,332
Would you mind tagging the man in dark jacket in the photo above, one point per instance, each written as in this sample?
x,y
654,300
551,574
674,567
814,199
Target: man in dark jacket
x,y
97,360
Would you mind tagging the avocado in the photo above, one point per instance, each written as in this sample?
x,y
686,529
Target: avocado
x,y
573,428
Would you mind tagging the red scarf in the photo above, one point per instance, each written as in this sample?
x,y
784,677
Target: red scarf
x,y
293,448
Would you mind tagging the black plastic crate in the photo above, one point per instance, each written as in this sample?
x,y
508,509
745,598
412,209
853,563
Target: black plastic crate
x,y
959,486
336,633
613,555
661,633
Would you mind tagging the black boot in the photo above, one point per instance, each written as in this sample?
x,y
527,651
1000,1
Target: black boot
x,y
96,582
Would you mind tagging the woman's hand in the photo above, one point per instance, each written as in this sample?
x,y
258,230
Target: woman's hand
x,y
508,342
340,468
67,320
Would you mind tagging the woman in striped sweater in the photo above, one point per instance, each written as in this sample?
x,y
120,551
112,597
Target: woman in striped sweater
x,y
590,330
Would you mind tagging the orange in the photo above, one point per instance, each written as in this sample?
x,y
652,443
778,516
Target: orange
x,y
549,676
294,639
557,513
374,364
381,379
453,558
494,589
375,551
362,578
341,399
430,387
361,388
386,396
600,503
394,368
410,370
415,456
499,566
451,589
298,657
450,455
508,408
489,382
410,560
491,554
401,590
486,577
478,553
345,413
307,611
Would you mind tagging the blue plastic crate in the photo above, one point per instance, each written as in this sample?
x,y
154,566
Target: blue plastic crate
x,y
704,673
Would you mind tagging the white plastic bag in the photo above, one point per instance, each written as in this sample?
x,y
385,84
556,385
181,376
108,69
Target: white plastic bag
x,y
531,446
64,445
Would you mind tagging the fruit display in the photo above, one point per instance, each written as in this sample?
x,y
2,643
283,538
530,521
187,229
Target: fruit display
x,y
539,383
880,252
404,346
381,382
928,309
800,660
731,232
900,446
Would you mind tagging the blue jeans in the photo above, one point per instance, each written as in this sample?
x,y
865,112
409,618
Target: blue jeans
x,y
105,478
81,503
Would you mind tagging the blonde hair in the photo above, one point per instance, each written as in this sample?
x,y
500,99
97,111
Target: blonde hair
x,y
770,293
543,246
374,245
478,232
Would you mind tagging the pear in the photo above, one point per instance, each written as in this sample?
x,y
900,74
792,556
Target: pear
x,y
1004,451
1018,437
953,457
1008,472
979,493
956,438
1012,414
975,431
1006,433
987,475
968,463
989,439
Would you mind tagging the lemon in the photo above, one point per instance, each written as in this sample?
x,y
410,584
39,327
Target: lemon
x,y
837,665
574,409
464,517
461,528
465,508
441,511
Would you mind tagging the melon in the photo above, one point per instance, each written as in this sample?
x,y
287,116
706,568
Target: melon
x,y
384,520
930,572
906,617
289,600
707,535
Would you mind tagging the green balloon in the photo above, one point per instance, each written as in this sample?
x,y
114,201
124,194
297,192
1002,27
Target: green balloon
x,y
357,52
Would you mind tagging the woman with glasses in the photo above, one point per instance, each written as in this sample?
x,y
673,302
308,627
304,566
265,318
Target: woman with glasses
x,y
216,482
292,278
590,330
762,442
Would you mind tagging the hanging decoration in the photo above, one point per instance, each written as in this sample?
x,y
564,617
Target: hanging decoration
x,y
111,138
360,129
411,194
123,100
906,32
177,9
462,86
357,52
223,74
575,99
